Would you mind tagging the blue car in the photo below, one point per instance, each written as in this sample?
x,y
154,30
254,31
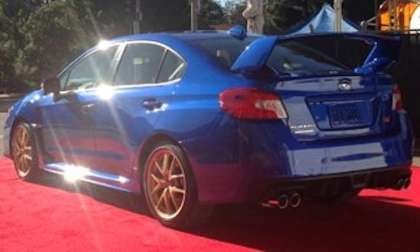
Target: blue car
x,y
193,120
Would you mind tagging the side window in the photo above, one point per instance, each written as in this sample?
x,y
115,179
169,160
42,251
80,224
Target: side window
x,y
172,68
139,64
63,80
92,70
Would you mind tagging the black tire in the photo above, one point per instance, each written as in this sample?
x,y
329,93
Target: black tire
x,y
25,160
190,212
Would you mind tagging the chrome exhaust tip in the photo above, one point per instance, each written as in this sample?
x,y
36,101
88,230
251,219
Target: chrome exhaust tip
x,y
400,184
295,200
407,183
283,201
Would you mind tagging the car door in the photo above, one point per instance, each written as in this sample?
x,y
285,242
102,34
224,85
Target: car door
x,y
143,84
67,127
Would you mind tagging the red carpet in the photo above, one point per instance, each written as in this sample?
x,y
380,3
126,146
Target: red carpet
x,y
51,217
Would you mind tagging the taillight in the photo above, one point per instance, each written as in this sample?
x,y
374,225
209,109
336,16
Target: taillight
x,y
251,103
397,103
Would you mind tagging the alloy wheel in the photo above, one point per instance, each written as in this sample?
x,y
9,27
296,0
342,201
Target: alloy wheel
x,y
21,150
166,183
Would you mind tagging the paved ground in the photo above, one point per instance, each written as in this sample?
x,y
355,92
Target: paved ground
x,y
2,118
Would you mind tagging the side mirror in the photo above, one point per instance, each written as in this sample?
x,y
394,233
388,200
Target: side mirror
x,y
51,85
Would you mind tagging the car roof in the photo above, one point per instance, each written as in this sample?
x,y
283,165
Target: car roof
x,y
213,34
184,36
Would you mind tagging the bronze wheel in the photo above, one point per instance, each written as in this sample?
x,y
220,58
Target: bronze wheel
x,y
22,150
169,188
166,186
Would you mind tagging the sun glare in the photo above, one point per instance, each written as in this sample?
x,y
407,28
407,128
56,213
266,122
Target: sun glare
x,y
105,92
75,173
104,44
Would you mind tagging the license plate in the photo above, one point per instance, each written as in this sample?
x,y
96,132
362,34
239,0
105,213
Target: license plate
x,y
345,115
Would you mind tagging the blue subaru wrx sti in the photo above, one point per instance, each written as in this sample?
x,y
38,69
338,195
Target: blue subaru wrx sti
x,y
192,120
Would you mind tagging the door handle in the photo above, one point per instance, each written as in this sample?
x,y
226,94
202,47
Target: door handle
x,y
152,103
86,108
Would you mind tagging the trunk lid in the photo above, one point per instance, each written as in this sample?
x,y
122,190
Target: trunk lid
x,y
319,110
328,93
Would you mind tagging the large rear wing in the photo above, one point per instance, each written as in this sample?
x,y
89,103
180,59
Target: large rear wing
x,y
382,51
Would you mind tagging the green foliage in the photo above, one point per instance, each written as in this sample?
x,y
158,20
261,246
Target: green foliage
x,y
211,13
161,15
37,39
234,9
283,14
51,34
7,73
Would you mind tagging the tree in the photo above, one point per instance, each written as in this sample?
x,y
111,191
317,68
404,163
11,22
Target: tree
x,y
282,15
234,9
10,40
211,13
38,37
51,35
7,73
163,15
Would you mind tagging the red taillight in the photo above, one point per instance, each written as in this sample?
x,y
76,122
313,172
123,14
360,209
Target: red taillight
x,y
251,103
397,103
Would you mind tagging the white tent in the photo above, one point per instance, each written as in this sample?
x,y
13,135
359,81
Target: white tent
x,y
324,21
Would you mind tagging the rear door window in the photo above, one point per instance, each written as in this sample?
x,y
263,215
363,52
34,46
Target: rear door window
x,y
172,68
139,64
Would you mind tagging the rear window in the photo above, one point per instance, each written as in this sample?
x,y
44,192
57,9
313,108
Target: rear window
x,y
351,52
224,50
314,56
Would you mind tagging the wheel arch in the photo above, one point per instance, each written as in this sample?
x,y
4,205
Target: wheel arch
x,y
148,146
16,122
151,142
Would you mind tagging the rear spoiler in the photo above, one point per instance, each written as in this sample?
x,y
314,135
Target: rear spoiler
x,y
385,50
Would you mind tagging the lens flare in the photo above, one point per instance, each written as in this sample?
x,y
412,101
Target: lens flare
x,y
75,173
103,45
105,92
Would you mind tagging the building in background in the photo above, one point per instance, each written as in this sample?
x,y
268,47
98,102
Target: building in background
x,y
399,15
396,16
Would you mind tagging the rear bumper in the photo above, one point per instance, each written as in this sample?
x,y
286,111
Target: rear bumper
x,y
277,153
390,178
268,157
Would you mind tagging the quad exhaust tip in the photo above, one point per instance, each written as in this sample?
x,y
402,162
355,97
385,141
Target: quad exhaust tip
x,y
407,183
293,200
402,183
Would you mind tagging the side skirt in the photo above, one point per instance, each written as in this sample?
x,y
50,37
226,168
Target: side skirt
x,y
73,173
